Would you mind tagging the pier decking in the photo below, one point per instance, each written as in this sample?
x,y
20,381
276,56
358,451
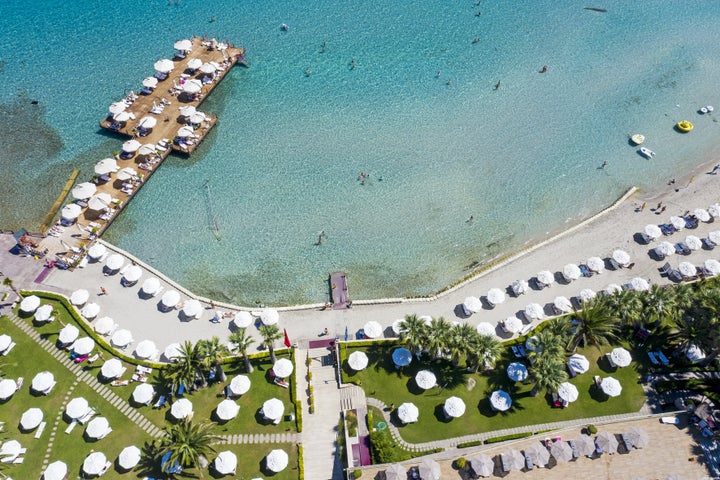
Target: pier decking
x,y
162,104
339,291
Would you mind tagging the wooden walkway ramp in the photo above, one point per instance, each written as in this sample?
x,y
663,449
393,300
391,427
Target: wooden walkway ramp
x,y
339,291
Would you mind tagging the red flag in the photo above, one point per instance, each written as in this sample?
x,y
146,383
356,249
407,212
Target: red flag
x,y
287,339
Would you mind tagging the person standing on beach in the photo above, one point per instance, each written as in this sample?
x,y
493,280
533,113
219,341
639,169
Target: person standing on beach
x,y
103,291
715,169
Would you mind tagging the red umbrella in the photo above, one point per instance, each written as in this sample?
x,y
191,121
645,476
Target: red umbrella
x,y
287,339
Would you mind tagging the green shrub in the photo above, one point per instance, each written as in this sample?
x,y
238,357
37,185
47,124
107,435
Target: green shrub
x,y
592,429
508,437
460,463
301,463
474,443
357,473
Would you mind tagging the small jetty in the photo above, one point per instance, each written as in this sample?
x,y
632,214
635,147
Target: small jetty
x,y
339,291
161,117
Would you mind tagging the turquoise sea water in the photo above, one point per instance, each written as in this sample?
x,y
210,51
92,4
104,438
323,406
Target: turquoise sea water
x,y
284,160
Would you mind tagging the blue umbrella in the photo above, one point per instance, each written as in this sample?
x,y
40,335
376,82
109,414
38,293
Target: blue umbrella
x,y
401,357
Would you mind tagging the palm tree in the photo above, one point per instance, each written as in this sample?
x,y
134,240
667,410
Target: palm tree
x,y
660,305
483,350
701,331
685,296
438,338
270,333
561,328
414,332
9,283
547,373
187,367
597,326
546,346
626,305
213,354
187,442
460,339
241,344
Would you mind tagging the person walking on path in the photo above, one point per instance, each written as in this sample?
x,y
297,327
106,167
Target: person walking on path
x,y
103,291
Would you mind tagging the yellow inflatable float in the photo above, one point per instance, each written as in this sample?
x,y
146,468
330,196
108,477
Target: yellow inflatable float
x,y
684,126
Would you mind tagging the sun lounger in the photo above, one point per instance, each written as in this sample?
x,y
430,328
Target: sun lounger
x,y
71,427
160,402
627,443
613,264
665,269
40,429
119,383
585,270
653,359
105,468
670,420
19,460
707,244
667,229
674,275
657,254
8,349
682,249
645,238
9,459
661,356
281,382
88,415
528,462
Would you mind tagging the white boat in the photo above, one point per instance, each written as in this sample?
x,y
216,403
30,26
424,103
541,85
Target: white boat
x,y
646,152
703,110
638,138
709,108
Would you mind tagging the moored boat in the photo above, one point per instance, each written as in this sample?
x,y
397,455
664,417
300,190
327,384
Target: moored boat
x,y
638,138
646,152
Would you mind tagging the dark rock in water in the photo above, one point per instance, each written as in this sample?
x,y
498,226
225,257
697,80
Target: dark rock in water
x,y
34,102
596,9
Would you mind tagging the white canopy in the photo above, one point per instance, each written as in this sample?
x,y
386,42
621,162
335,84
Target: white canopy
x,y
71,211
131,146
5,341
538,453
606,442
563,304
104,325
173,351
77,407
192,86
269,316
99,201
192,308
425,379
42,382
571,271
277,460
495,296
666,248
512,324
123,116
584,444
30,304
97,251
148,148
693,353
471,304
485,328
714,210
454,407
112,368
194,64
8,388
129,457
512,460
714,237
226,463
373,329
283,368
133,273
181,408
500,400
242,319
519,287
677,222
240,385
143,393
711,265
693,242
117,107
546,277
653,231
97,428
596,264
429,469
114,262
207,68
122,338
534,311
637,437
164,66
610,387
105,166
687,269
84,190
83,346
147,122
55,471
151,286
568,392
146,349
640,284
126,173
94,463
90,310
358,361
561,451
42,314
149,82
517,372
68,334
188,110
31,418
702,214
227,409
170,298
408,413
183,45
185,132
578,363
196,118
587,294
273,409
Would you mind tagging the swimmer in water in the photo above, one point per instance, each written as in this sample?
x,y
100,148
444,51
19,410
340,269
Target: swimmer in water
x,y
497,85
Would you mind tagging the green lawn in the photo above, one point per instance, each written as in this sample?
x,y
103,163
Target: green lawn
x,y
382,381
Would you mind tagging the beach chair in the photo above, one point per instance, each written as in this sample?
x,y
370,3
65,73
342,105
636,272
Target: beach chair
x,y
528,462
656,254
645,238
613,264
665,269
707,244
8,349
40,429
585,270
628,444
653,359
661,356
71,427
162,400
674,275
667,229
682,249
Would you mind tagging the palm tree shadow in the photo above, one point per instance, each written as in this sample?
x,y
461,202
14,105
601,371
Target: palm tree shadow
x,y
149,465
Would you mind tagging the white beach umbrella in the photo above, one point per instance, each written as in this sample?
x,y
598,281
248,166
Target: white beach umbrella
x,y
373,329
596,264
104,325
114,262
170,298
151,286
146,349
500,400
693,242
358,361
677,222
242,319
512,324
147,148
240,385
408,413
122,116
517,372
538,453
276,460
5,341
55,471
226,463
519,287
97,251
192,308
112,368
394,472
164,66
207,68
714,237
149,82
429,469
129,457
90,310
584,444
471,304
181,408
83,346
714,210
485,328
621,257
94,463
282,368
495,296
606,442
561,451
227,409
194,64
666,248
613,288
401,357
269,316
133,273
196,118
702,214
42,382
122,338
397,325
687,269
640,284
97,427
8,388
126,174
637,437
84,190
192,86
546,277
185,132
571,271
71,211
568,392
512,460
131,146
183,45
42,314
147,122
143,393
610,387
587,294
578,363
68,334
31,418
425,379
273,409
77,407
534,311
188,111
30,304
711,265
481,464
653,231
117,107
173,351
99,201
105,166
693,353
454,407
563,304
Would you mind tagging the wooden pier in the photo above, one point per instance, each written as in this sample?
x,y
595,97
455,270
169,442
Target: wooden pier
x,y
163,104
339,291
